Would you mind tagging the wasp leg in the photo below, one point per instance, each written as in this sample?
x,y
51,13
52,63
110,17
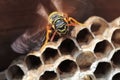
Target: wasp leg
x,y
53,36
74,22
47,37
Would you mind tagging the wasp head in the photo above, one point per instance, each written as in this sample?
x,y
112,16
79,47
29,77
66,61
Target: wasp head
x,y
58,22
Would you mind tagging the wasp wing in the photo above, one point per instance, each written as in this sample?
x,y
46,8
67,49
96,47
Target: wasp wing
x,y
33,38
78,9
26,43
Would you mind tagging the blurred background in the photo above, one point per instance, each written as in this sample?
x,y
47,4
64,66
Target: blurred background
x,y
17,16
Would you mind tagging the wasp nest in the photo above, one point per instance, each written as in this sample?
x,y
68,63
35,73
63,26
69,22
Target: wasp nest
x,y
91,52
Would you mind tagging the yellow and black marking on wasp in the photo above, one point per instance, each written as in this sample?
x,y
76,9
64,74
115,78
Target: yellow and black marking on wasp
x,y
60,23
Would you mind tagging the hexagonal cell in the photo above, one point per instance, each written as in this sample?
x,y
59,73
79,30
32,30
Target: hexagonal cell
x,y
50,55
116,38
98,26
85,59
67,68
49,75
14,72
102,48
32,62
68,47
116,58
84,37
102,69
116,76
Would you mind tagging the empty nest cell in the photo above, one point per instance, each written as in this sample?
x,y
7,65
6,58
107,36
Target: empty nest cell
x,y
84,37
68,47
102,48
14,72
116,38
116,76
85,59
102,69
98,27
32,62
49,75
67,68
116,58
50,55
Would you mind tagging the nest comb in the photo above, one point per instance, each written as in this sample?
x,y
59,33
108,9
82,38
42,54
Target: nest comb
x,y
91,52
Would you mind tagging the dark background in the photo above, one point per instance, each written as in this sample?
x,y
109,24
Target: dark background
x,y
17,16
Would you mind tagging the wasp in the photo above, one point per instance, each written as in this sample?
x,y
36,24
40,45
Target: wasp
x,y
58,24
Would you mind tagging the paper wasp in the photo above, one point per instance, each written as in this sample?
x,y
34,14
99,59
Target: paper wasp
x,y
60,23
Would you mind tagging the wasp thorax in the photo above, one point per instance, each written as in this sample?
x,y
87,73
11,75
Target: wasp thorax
x,y
54,16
